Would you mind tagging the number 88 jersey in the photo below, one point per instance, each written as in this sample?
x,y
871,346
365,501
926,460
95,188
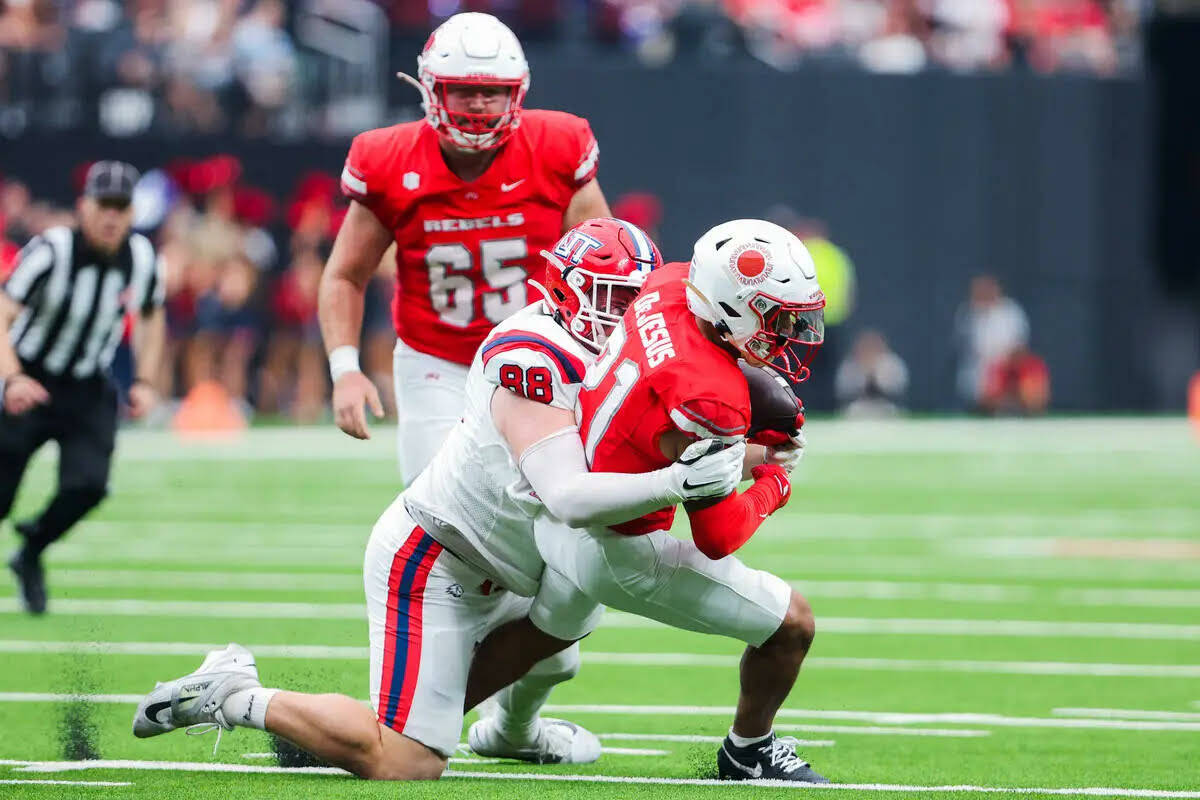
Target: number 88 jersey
x,y
473,485
465,250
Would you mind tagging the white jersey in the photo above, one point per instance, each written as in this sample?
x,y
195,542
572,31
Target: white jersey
x,y
472,498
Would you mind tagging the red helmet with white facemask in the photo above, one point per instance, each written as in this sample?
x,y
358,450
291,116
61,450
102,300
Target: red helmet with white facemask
x,y
472,49
594,273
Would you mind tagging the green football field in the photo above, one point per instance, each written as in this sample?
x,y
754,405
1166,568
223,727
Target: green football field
x,y
1002,607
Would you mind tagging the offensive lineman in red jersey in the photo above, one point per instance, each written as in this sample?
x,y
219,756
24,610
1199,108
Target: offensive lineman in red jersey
x,y
667,377
470,195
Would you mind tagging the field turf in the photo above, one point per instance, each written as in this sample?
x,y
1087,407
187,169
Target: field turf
x,y
1002,607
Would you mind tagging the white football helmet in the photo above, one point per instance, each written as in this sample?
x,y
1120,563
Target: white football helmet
x,y
756,283
471,49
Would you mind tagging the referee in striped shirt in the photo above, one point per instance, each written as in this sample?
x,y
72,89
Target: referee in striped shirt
x,y
62,314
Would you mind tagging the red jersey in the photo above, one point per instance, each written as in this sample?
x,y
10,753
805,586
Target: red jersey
x,y
465,251
658,372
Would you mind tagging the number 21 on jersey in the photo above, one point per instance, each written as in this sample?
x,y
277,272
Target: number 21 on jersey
x,y
452,287
624,377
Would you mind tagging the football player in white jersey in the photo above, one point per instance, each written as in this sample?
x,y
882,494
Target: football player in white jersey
x,y
750,293
454,557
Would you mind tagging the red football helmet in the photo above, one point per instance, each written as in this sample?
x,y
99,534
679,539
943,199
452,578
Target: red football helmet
x,y
594,273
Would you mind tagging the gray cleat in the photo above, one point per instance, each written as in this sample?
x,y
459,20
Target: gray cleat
x,y
196,699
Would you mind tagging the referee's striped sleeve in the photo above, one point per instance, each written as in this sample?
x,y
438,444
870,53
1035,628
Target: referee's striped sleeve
x,y
34,264
150,274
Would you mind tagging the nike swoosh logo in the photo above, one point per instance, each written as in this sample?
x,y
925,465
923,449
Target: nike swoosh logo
x,y
688,486
153,710
508,187
753,773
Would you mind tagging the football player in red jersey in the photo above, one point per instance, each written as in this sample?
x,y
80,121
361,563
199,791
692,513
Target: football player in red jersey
x,y
668,377
470,195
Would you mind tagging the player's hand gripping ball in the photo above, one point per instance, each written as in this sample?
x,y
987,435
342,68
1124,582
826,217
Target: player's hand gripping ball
x,y
776,414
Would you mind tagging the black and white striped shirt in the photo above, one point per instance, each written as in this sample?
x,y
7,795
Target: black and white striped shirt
x,y
75,300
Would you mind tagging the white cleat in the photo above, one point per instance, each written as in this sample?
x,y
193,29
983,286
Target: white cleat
x,y
196,699
557,742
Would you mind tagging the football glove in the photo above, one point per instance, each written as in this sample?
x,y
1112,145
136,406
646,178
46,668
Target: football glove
x,y
707,468
788,455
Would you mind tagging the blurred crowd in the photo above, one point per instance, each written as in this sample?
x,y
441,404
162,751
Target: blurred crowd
x,y
243,270
269,66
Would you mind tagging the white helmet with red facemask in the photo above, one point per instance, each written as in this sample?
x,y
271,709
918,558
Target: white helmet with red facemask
x,y
594,273
472,49
756,283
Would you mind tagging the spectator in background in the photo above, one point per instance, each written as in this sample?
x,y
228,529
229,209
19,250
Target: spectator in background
x,y
643,209
1074,35
1016,384
835,272
265,64
30,26
873,380
998,373
293,375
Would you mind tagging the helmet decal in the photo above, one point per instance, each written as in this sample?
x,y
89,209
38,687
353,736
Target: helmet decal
x,y
576,244
751,264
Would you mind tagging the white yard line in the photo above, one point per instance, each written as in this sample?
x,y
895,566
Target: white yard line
x,y
694,738
174,766
841,625
1127,713
189,766
975,593
890,718
878,730
1159,436
350,652
885,717
52,697
179,579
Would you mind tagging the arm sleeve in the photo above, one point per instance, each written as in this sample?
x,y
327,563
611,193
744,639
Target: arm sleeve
x,y
34,264
557,471
720,529
583,154
364,177
533,367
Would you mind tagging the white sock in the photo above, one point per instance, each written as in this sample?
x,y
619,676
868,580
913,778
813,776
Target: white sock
x,y
742,741
519,704
248,708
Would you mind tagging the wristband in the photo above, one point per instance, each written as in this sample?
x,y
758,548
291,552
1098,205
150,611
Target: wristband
x,y
342,360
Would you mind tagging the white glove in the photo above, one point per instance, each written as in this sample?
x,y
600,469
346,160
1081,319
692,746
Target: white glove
x,y
789,455
707,469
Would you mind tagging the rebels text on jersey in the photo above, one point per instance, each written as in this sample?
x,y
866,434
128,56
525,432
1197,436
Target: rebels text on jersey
x,y
472,497
658,372
465,250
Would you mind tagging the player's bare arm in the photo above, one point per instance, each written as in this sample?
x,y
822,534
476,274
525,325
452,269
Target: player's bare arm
x,y
18,392
587,203
357,250
149,344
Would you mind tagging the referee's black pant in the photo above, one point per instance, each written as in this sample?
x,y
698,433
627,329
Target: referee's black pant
x,y
82,417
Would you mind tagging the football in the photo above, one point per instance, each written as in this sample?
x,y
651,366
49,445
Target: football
x,y
774,407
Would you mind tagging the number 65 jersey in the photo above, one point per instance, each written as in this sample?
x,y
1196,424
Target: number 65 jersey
x,y
472,498
464,251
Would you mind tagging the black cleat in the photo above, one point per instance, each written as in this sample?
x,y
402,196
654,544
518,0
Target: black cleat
x,y
772,759
31,579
